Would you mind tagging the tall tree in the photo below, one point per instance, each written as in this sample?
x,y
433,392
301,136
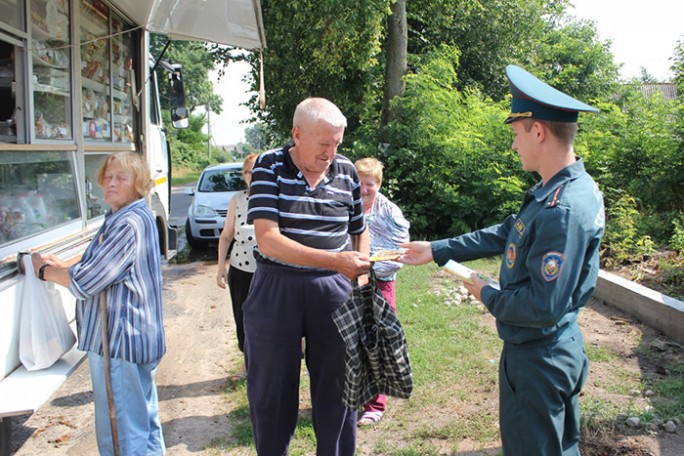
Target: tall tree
x,y
258,137
319,48
572,58
396,49
678,67
489,34
348,52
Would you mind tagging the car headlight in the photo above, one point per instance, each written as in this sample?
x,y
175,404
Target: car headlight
x,y
204,211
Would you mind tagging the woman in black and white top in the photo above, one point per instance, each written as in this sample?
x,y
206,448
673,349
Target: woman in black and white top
x,y
242,262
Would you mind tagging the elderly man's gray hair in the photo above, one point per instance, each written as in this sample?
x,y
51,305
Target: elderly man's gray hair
x,y
314,109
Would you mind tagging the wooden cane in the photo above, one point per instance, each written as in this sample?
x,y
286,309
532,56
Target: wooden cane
x,y
108,372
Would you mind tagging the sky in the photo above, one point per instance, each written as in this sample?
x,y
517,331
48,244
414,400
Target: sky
x,y
644,33
226,128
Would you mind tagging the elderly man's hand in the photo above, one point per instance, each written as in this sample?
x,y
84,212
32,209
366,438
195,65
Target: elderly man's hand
x,y
352,264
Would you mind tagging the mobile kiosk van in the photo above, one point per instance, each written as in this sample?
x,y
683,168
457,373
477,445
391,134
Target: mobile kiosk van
x,y
76,83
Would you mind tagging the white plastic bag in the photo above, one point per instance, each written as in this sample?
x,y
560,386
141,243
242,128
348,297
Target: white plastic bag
x,y
44,332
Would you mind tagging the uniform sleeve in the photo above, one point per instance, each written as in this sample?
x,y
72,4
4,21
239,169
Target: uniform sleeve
x,y
482,243
109,262
554,261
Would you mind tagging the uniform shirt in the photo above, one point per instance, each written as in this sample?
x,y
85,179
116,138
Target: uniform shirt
x,y
388,228
123,261
242,253
322,217
551,256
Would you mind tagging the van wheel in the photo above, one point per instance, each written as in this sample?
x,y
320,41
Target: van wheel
x,y
193,241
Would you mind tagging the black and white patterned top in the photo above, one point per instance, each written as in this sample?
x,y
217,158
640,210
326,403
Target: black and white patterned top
x,y
242,254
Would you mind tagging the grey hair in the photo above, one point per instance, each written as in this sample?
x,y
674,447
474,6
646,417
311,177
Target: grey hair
x,y
314,109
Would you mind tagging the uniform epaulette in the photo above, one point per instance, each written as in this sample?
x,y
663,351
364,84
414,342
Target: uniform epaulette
x,y
554,199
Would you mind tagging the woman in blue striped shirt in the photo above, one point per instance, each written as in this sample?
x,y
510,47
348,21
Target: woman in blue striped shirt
x,y
121,265
388,228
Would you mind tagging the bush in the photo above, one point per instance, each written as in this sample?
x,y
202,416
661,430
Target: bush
x,y
449,162
622,242
677,239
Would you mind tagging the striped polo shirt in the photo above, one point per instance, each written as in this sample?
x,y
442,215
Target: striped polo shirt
x,y
322,217
123,261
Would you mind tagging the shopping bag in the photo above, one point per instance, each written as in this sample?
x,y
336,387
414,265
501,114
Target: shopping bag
x,y
376,357
44,332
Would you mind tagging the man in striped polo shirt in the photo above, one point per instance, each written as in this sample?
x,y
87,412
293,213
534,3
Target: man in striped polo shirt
x,y
305,203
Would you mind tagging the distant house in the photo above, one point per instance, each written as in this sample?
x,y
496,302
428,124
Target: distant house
x,y
667,89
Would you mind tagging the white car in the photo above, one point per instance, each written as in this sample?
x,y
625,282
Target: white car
x,y
207,213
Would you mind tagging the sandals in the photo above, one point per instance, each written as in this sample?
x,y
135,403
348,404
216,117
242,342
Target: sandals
x,y
369,418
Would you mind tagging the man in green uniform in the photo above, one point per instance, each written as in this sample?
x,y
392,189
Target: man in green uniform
x,y
549,270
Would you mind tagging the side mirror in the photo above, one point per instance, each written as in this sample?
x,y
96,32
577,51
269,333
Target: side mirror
x,y
179,113
189,191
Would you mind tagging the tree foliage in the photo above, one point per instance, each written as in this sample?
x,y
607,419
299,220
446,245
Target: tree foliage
x,y
258,137
678,66
197,61
637,152
450,149
573,59
189,145
489,33
448,162
319,48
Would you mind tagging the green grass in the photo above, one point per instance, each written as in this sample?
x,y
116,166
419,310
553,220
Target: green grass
x,y
448,346
669,402
454,352
598,354
184,176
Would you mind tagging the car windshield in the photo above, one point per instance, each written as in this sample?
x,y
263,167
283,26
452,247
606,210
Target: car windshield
x,y
226,180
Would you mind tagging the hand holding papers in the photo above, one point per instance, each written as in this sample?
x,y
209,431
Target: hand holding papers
x,y
464,273
386,255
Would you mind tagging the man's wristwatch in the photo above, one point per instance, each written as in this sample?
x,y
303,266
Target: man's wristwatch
x,y
41,272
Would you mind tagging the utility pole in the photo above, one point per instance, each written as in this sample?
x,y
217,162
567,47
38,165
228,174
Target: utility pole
x,y
209,131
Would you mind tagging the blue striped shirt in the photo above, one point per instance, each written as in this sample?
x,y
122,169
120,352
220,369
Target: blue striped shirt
x,y
322,217
388,228
123,261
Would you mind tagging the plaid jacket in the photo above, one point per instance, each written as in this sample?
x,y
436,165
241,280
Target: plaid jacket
x,y
377,360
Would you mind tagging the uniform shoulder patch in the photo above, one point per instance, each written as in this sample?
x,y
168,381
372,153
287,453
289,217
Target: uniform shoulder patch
x,y
552,264
511,254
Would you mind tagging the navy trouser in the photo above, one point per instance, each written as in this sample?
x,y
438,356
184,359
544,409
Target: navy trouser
x,y
283,306
539,387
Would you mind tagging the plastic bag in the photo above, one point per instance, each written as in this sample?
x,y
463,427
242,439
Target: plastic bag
x,y
44,332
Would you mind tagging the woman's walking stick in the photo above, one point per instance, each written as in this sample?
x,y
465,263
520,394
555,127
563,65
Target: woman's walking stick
x,y
108,372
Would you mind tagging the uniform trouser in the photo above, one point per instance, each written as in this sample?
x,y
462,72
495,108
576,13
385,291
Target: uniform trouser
x,y
238,284
136,405
283,306
386,287
539,387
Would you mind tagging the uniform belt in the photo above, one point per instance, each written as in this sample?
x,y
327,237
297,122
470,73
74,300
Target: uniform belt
x,y
567,330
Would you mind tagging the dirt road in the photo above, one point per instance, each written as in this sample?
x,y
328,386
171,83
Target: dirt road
x,y
202,354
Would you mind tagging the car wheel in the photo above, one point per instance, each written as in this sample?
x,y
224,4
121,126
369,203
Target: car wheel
x,y
193,241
